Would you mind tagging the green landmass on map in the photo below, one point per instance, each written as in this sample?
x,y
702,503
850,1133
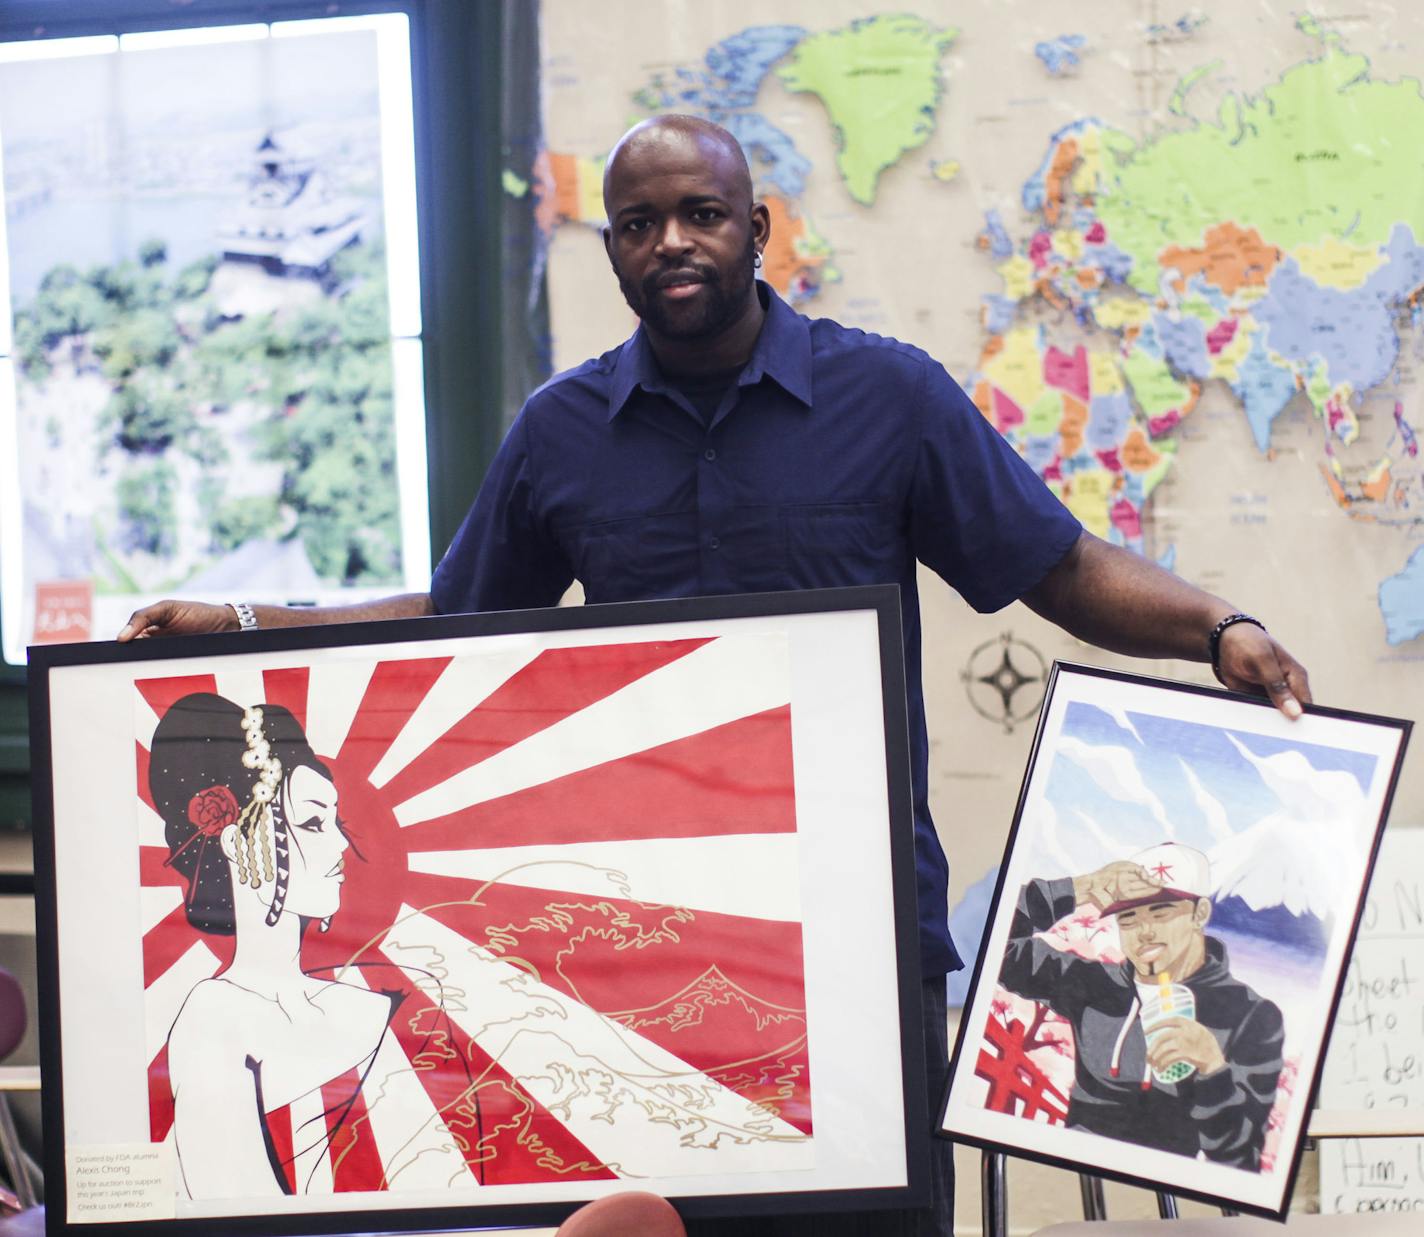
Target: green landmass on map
x,y
879,79
1319,153
1274,247
1177,104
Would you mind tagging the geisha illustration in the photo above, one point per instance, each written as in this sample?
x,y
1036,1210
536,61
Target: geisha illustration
x,y
452,923
251,818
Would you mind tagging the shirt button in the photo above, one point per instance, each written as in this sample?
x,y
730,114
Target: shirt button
x,y
714,544
709,455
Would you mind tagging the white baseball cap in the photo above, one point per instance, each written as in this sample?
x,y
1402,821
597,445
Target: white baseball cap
x,y
1183,870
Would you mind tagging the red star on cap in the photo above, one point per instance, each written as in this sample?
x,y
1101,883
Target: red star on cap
x,y
1162,871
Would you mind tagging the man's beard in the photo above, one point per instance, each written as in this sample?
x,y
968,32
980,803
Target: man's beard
x,y
721,303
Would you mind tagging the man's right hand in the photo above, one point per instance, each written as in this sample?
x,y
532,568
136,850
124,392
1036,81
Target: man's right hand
x,y
178,618
1121,881
197,618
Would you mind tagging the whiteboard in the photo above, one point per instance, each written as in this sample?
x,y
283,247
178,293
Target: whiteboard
x,y
1374,1070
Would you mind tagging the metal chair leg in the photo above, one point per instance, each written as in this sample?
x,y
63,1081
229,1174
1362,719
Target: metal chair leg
x,y
1167,1205
993,1189
14,1156
1094,1205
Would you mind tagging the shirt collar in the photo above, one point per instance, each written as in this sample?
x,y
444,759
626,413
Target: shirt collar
x,y
782,353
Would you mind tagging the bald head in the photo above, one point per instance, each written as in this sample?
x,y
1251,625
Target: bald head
x,y
654,143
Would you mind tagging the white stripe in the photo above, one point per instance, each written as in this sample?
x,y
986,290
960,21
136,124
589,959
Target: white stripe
x,y
334,693
156,903
242,686
636,1106
164,997
750,874
311,1156
730,678
417,1150
150,826
466,682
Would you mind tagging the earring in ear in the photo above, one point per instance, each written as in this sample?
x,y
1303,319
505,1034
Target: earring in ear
x,y
756,261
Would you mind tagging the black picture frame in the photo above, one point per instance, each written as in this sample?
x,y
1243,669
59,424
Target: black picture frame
x,y
808,620
1152,722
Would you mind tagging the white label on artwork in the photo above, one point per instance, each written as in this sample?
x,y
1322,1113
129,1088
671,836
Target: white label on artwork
x,y
120,1181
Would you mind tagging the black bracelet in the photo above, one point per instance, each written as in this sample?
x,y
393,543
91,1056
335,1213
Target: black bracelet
x,y
1213,641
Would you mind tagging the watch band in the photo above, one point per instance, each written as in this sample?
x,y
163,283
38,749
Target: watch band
x,y
1213,641
246,620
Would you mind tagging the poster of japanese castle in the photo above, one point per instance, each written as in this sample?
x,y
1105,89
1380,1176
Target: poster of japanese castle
x,y
206,357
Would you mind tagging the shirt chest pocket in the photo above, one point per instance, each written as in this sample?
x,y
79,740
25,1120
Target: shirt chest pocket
x,y
631,559
833,544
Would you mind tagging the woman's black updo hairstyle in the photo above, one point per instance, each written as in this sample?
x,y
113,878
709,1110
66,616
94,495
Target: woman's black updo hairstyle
x,y
197,750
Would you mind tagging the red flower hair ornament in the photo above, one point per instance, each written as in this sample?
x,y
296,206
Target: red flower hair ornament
x,y
212,810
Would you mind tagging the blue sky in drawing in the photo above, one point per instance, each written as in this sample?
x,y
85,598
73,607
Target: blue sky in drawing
x,y
1132,775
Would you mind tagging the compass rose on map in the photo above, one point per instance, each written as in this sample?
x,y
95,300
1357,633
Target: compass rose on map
x,y
1005,680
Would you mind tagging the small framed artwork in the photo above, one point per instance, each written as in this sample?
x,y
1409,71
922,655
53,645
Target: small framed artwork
x,y
1168,940
469,920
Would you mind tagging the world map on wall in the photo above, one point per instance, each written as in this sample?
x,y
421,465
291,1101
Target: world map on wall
x,y
1272,246
1173,257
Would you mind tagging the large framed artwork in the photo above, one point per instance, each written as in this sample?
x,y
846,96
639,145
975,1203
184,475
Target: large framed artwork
x,y
1168,940
468,920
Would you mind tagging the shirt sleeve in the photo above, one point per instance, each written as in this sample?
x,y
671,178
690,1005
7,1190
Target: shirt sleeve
x,y
504,557
1034,969
979,515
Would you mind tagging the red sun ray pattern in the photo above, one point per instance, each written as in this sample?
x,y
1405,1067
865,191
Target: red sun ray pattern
x,y
160,1097
685,1000
734,778
395,689
161,693
553,686
288,687
355,1159
504,1134
722,993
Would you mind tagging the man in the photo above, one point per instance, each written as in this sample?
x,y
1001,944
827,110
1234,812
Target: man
x,y
1199,1080
733,446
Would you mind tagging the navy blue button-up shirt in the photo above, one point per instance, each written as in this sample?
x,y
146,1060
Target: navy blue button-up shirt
x,y
837,458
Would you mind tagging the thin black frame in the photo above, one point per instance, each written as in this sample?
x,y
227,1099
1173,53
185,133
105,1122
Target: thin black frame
x,y
884,600
1307,1097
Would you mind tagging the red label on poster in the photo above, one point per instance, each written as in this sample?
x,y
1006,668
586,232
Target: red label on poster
x,y
64,611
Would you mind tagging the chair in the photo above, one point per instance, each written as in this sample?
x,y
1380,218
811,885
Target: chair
x,y
12,1031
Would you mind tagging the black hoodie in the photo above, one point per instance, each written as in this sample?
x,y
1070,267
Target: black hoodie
x,y
1221,1116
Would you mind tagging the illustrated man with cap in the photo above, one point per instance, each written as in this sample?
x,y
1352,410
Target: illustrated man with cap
x,y
1170,1050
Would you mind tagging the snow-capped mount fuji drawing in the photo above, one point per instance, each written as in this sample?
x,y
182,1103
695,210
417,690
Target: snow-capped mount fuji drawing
x,y
1279,879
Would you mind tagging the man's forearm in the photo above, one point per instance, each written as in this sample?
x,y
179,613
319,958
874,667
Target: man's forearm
x,y
194,618
1122,601
405,605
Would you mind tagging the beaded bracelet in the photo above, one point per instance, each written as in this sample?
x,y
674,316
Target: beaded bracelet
x,y
1213,641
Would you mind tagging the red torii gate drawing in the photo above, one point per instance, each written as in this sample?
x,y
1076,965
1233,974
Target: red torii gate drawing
x,y
1016,1083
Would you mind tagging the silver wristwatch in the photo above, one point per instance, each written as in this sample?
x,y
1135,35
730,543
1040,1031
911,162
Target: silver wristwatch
x,y
246,620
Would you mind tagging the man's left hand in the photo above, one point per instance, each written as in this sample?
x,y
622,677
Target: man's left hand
x,y
1251,661
1184,1039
